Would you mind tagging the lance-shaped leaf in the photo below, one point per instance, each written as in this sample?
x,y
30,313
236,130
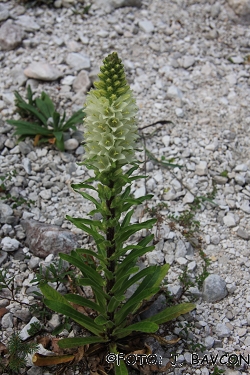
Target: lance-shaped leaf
x,y
171,313
85,302
84,268
132,304
79,341
78,317
123,286
126,232
144,326
154,280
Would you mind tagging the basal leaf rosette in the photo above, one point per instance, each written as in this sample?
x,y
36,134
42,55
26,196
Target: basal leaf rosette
x,y
110,123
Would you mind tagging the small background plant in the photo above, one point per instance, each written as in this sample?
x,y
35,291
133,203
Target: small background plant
x,y
6,196
16,353
42,122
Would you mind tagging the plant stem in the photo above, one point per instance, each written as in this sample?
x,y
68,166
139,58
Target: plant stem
x,y
110,250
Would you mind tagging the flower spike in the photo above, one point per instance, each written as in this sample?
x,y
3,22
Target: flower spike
x,y
110,123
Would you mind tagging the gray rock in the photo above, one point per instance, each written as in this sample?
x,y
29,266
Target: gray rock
x,y
42,71
24,148
5,212
192,266
214,288
222,330
3,257
220,180
243,234
215,10
23,314
166,140
27,165
215,239
45,194
209,342
54,321
201,168
179,112
4,13
45,239
181,250
187,62
10,244
174,92
245,206
34,370
7,321
146,26
155,257
175,290
241,168
230,220
78,61
237,59
11,36
240,7
188,198
155,308
68,80
240,179
34,262
27,23
82,82
71,144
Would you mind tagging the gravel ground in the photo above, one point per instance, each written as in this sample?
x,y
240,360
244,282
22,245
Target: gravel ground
x,y
188,64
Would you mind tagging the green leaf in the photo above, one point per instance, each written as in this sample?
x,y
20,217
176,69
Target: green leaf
x,y
153,281
114,303
45,105
171,313
31,109
78,222
75,119
78,317
79,341
140,200
93,254
126,232
127,218
120,369
132,304
56,120
28,128
137,252
100,320
143,326
84,268
100,296
52,294
90,198
82,186
122,288
81,301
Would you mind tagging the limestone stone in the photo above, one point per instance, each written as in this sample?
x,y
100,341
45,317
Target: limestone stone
x,y
42,71
45,239
11,35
